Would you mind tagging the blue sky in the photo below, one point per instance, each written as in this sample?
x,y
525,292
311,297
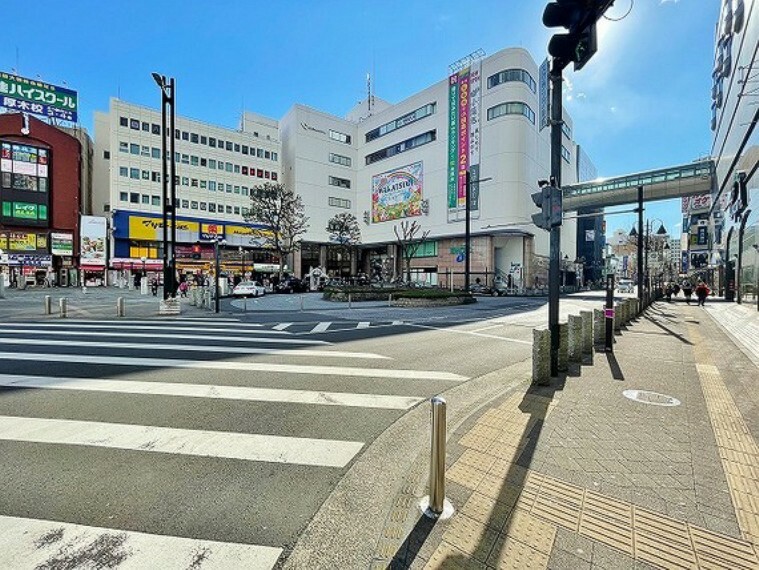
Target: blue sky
x,y
642,102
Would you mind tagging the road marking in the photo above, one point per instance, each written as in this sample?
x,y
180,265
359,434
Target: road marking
x,y
203,443
34,543
234,365
363,325
473,333
487,328
281,326
190,348
18,329
321,327
212,391
188,321
164,327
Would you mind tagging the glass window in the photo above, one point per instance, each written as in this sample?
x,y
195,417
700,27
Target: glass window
x,y
185,180
123,171
212,142
220,144
260,172
229,188
155,152
211,163
211,207
145,199
229,145
185,136
194,183
185,159
134,198
203,139
512,75
123,196
194,161
203,162
134,124
266,174
339,159
156,176
123,146
193,205
237,147
564,153
145,127
237,189
339,203
134,173
203,184
146,175
339,182
267,154
237,210
237,169
245,170
260,152
185,204
408,144
229,209
274,156
406,119
145,151
155,129
156,200
194,138
212,185
511,108
134,149
245,149
273,175
228,166
339,137
123,122
202,205
244,190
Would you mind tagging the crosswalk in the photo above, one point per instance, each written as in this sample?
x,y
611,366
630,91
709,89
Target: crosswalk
x,y
182,443
304,327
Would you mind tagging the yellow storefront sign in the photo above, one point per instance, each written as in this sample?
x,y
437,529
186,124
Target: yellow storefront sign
x,y
248,231
22,242
151,229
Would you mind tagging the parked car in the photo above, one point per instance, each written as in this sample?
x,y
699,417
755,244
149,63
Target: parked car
x,y
249,289
291,285
625,286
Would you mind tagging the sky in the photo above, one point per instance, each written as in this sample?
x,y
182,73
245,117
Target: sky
x,y
641,103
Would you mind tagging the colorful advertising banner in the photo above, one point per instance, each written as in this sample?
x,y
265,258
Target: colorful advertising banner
x,y
62,244
397,193
22,241
464,136
38,98
151,229
92,231
211,231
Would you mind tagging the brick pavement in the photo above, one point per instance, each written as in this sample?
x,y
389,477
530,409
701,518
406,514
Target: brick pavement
x,y
578,476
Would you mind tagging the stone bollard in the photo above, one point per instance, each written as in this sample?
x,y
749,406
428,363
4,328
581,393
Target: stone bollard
x,y
2,286
62,303
587,332
617,318
563,346
599,326
48,305
575,339
193,297
120,308
541,356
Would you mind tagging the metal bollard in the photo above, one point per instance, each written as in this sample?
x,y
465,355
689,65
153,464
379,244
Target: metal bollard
x,y
120,310
436,506
350,301
390,300
48,305
63,308
301,303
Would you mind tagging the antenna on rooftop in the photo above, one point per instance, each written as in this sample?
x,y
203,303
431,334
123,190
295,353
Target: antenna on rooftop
x,y
369,91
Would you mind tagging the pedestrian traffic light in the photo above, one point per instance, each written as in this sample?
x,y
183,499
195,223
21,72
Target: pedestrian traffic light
x,y
579,18
542,200
196,250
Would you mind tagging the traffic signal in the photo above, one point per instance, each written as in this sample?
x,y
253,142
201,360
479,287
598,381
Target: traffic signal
x,y
196,250
579,18
542,200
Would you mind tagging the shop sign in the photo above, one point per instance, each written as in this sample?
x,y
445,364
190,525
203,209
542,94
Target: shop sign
x,y
22,241
211,231
62,244
92,240
151,229
35,260
36,97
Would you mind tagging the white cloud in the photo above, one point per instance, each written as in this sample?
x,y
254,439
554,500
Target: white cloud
x,y
669,1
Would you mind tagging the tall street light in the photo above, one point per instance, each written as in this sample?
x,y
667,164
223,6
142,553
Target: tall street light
x,y
217,243
168,89
242,262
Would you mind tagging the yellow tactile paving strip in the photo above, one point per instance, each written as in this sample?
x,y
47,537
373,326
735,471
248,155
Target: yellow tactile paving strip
x,y
737,448
511,518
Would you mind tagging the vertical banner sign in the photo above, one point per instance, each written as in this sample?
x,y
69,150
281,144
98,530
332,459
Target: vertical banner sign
x,y
463,150
464,140
544,109
92,240
475,118
453,127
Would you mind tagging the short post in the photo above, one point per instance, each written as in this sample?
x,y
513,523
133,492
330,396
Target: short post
x,y
193,298
2,286
575,338
350,301
618,317
120,311
390,300
541,357
563,346
301,303
587,332
435,506
63,307
450,278
48,308
598,326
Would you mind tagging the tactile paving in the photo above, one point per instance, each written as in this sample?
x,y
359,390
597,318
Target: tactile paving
x,y
661,540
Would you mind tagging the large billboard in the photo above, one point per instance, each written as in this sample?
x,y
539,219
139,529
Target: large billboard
x,y
397,193
92,240
464,126
38,98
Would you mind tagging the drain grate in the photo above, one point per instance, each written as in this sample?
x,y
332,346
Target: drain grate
x,y
653,398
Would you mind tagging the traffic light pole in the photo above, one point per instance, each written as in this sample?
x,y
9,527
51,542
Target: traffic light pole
x,y
555,248
640,248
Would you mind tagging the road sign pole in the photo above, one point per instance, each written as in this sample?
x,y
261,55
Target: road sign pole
x,y
609,313
555,247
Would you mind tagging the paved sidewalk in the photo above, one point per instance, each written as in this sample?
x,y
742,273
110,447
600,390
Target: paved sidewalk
x,y
578,476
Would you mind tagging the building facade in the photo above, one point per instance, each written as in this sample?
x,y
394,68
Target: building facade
x,y
389,164
734,220
216,168
41,190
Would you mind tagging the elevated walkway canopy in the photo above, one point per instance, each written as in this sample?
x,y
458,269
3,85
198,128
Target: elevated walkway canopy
x,y
662,184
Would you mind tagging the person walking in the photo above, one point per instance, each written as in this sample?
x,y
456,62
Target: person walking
x,y
183,288
687,291
702,292
154,287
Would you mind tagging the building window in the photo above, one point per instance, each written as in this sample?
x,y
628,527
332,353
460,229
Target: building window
x,y
203,140
237,147
566,130
185,181
245,170
134,124
134,173
237,189
156,200
193,205
244,190
237,210
408,144
145,199
212,142
274,156
194,183
185,159
229,188
212,207
155,176
203,184
274,176
194,161
245,149
146,127
123,146
237,169
212,186
145,151
512,75
260,152
511,108
339,159
185,136
155,129
229,209
260,172
406,119
134,149
564,153
124,171
123,196
339,203
155,152
228,167
211,163
266,174
203,206
339,182
229,145
194,138
339,137
146,175
123,122
185,204
134,198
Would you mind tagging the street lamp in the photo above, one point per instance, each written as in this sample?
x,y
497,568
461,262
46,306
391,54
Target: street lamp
x,y
242,261
219,241
168,88
144,280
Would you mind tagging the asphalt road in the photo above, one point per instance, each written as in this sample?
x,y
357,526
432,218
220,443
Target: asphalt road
x,y
216,439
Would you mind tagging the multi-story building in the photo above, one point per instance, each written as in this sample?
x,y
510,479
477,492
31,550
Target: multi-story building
x,y
406,162
735,148
215,169
42,192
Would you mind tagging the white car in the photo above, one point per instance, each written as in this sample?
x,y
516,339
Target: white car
x,y
625,286
249,289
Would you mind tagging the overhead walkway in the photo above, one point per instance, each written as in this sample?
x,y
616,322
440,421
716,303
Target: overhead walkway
x,y
662,184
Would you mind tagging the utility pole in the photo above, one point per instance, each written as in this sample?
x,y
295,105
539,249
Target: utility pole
x,y
640,248
555,244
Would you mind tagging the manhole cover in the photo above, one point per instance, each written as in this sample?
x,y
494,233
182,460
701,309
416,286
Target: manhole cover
x,y
653,398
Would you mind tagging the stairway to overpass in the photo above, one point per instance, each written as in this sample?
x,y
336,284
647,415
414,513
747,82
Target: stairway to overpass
x,y
662,184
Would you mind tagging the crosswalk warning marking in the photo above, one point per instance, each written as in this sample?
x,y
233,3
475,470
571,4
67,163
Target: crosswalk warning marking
x,y
35,543
203,443
321,327
281,326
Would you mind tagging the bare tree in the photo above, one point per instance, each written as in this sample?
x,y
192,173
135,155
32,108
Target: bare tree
x,y
408,242
282,212
344,230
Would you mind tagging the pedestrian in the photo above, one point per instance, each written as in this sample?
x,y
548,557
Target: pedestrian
x,y
154,287
687,291
675,289
668,291
702,292
183,288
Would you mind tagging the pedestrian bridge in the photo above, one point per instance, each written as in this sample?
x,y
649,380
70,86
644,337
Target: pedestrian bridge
x,y
661,184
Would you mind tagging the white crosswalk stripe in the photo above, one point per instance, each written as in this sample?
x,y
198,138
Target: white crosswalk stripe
x,y
321,327
281,326
30,543
162,327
